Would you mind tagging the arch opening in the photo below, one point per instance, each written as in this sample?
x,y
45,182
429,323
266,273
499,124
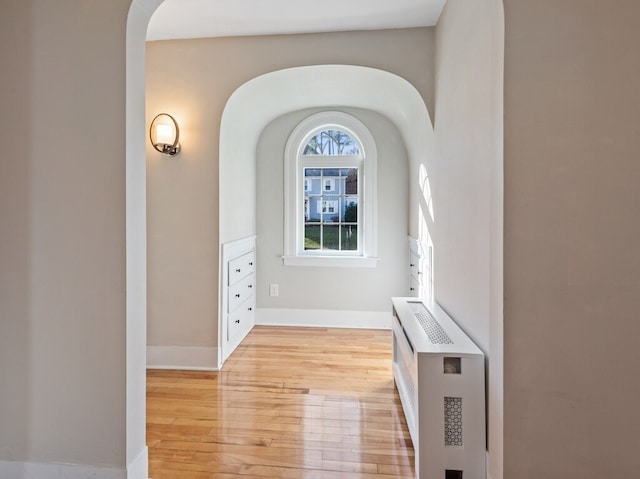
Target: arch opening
x,y
287,90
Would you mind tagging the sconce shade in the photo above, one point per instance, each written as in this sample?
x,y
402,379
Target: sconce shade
x,y
165,134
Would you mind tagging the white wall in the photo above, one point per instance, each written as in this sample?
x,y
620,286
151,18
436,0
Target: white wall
x,y
136,238
467,186
332,288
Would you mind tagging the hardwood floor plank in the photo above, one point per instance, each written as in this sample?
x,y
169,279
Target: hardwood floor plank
x,y
295,403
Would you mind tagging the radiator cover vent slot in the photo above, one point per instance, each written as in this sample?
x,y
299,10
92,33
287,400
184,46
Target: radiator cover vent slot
x,y
431,326
452,421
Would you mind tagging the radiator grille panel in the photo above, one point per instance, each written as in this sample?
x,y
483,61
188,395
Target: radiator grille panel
x,y
434,331
452,421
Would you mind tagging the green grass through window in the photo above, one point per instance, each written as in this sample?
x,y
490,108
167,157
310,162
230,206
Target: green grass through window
x,y
331,238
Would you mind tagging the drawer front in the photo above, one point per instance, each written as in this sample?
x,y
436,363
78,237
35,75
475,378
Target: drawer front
x,y
414,266
240,292
414,287
240,319
241,266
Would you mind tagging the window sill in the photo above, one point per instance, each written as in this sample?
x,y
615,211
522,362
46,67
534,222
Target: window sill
x,y
331,261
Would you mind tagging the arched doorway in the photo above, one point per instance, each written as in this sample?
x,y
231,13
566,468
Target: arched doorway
x,y
139,16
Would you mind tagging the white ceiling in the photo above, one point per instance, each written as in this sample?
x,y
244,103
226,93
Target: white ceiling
x,y
218,18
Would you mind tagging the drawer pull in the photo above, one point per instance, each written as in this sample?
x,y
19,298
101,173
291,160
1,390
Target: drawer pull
x,y
250,309
238,270
250,286
237,295
237,321
250,264
412,289
411,265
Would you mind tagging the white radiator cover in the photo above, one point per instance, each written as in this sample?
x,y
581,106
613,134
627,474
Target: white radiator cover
x,y
439,374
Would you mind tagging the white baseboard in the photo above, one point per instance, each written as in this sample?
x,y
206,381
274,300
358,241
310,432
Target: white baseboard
x,y
139,467
36,470
12,470
323,318
182,357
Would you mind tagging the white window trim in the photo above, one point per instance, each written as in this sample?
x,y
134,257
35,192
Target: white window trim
x,y
294,191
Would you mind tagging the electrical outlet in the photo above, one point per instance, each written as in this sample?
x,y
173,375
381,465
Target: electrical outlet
x,y
273,289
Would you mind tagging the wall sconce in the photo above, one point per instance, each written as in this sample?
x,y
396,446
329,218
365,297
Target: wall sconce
x,y
165,134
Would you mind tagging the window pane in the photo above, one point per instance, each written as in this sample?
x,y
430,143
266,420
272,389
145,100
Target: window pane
x,y
331,143
312,237
331,237
350,209
331,209
312,172
351,182
349,238
312,209
331,172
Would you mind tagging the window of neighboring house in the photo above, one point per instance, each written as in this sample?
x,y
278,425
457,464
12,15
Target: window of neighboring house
x,y
329,184
330,193
328,207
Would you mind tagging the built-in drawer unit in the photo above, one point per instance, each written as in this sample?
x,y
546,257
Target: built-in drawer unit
x,y
439,374
238,304
420,269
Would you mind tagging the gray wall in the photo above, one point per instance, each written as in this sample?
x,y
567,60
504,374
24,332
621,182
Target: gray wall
x,y
572,268
183,191
15,203
62,233
333,288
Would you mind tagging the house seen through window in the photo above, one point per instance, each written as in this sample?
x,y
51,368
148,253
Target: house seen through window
x,y
329,215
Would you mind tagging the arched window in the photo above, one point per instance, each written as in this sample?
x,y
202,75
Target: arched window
x,y
330,193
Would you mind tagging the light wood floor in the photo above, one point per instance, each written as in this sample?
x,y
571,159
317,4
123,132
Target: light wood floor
x,y
290,403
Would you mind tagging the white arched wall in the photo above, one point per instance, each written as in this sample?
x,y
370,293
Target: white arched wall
x,y
258,102
263,99
138,18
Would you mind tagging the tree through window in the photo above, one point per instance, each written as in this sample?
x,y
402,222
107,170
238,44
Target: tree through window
x,y
331,143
